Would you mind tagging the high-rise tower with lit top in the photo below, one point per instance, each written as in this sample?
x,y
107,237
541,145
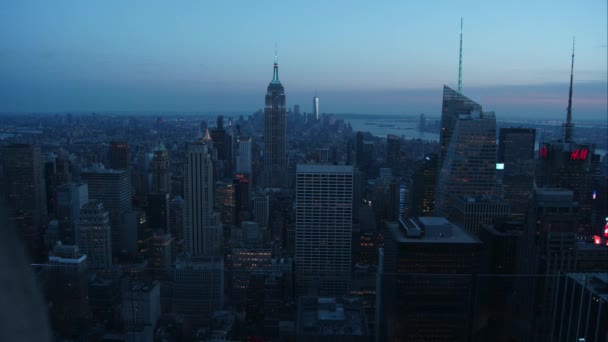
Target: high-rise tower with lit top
x,y
275,133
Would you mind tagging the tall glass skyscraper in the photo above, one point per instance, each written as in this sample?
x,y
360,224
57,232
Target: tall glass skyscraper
x,y
275,134
315,107
454,104
469,166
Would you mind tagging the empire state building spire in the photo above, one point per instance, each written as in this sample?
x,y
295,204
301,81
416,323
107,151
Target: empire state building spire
x,y
275,74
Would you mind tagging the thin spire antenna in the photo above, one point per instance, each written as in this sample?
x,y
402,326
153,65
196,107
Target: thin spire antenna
x,y
568,127
275,72
460,61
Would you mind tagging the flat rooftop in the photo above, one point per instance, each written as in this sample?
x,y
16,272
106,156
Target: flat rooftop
x,y
323,168
596,283
429,230
325,316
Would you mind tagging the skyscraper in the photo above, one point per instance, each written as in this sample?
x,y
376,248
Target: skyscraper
x,y
68,290
118,155
94,235
549,247
202,227
454,104
199,287
113,189
243,161
393,151
225,201
516,155
423,187
70,199
261,207
427,282
323,228
222,141
574,166
275,134
25,187
469,167
158,212
140,309
315,107
161,170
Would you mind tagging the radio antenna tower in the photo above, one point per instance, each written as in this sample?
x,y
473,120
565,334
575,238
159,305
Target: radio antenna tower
x,y
569,125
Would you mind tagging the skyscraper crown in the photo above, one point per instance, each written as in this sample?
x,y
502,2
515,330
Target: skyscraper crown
x,y
275,74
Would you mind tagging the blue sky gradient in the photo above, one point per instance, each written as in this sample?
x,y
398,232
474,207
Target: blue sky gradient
x,y
360,57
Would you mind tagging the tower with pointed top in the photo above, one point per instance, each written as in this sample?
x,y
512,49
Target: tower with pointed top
x,y
574,166
569,126
275,134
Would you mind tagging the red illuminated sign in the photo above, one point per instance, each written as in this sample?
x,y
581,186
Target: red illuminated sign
x,y
542,152
597,239
579,154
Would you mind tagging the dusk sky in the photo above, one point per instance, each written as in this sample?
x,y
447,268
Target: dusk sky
x,y
359,57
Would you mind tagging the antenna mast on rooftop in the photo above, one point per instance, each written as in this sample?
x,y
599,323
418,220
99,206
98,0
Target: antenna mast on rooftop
x,y
569,125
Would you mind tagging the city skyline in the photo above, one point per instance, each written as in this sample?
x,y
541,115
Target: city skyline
x,y
386,59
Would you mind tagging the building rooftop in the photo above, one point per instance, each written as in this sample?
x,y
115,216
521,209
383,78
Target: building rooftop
x,y
429,230
100,168
596,283
554,195
199,262
331,316
480,199
324,168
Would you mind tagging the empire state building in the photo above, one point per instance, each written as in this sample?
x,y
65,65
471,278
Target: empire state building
x,y
275,134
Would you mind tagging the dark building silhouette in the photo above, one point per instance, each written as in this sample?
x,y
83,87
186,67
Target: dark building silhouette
x,y
359,145
118,155
501,244
427,281
225,201
275,134
25,188
423,187
69,200
548,248
161,170
222,142
158,212
574,167
94,235
393,151
113,189
582,313
516,158
68,290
